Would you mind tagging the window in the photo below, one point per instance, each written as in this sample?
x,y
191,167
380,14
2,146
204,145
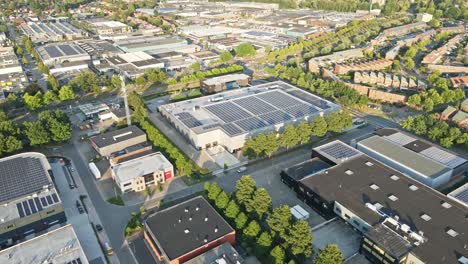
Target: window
x,y
51,212
374,187
413,187
338,209
394,177
349,172
356,223
127,184
392,197
346,216
425,217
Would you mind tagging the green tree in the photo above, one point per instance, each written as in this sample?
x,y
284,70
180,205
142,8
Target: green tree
x,y
304,132
318,127
331,254
232,209
299,238
225,56
277,255
116,82
245,50
222,200
252,230
140,80
36,133
24,60
59,131
19,51
428,104
409,64
66,93
261,202
263,244
336,122
85,81
241,220
50,97
279,219
52,82
195,67
33,102
414,100
245,188
271,145
214,191
9,144
289,137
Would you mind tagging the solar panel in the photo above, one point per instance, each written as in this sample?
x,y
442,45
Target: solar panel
x,y
38,204
310,98
53,51
210,126
276,117
49,200
26,208
301,110
21,176
43,201
251,123
55,198
339,151
32,206
462,196
255,105
191,122
20,210
446,158
184,115
278,99
228,112
400,138
68,50
232,129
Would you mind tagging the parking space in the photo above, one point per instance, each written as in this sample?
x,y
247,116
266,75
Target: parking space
x,y
339,233
78,219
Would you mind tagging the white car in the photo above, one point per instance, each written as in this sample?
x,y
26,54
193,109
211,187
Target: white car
x,y
241,169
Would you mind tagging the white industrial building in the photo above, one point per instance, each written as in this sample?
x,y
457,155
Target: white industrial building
x,y
137,173
11,73
107,29
134,64
230,117
52,31
418,159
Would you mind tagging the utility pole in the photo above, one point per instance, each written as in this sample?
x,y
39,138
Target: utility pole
x,y
127,109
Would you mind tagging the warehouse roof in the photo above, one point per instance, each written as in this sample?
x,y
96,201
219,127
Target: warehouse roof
x,y
363,180
23,174
226,78
141,166
187,226
404,156
306,168
222,254
117,136
58,246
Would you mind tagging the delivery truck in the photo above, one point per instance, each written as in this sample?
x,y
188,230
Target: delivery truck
x,y
94,169
299,213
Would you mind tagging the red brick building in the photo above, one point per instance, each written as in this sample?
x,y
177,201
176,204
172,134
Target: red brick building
x,y
186,230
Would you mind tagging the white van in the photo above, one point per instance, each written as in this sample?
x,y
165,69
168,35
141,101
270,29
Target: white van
x,y
241,169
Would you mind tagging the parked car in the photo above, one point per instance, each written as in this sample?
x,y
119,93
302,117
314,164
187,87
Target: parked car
x,y
241,169
99,227
79,206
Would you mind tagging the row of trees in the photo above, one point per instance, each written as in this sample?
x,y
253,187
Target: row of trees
x,y
51,126
265,145
435,130
272,235
199,75
337,5
329,89
38,100
151,76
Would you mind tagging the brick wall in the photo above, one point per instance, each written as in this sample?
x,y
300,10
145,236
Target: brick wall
x,y
378,95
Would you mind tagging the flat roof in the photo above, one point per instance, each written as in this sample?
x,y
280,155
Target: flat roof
x,y
226,78
460,194
187,226
250,109
306,168
349,183
117,136
403,156
60,50
89,109
222,254
141,166
57,246
22,175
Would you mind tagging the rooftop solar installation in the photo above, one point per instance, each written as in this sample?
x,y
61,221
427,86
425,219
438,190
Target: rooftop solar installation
x,y
300,110
251,123
53,51
255,105
232,129
228,112
278,99
34,205
400,138
276,117
462,196
68,50
21,176
311,99
338,150
446,158
189,120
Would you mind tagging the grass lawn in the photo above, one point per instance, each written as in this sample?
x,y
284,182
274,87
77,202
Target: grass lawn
x,y
116,200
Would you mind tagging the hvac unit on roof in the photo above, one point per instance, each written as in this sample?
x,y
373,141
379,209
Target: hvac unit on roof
x,y
405,228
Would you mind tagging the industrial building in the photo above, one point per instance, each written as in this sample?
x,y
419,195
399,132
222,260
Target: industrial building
x,y
336,57
224,82
401,220
117,140
421,160
57,246
91,111
134,64
186,230
12,77
145,43
460,195
30,202
107,29
137,173
52,54
41,32
230,117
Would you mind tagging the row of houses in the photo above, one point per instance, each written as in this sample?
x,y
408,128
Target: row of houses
x,y
457,116
388,80
372,65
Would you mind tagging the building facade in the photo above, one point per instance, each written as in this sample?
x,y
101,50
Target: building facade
x,y
118,140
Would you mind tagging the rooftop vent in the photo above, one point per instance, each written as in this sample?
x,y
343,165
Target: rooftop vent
x,y
394,177
426,217
186,231
349,172
392,197
378,206
413,187
180,219
446,205
186,209
206,219
374,187
369,164
197,208
216,229
405,228
452,232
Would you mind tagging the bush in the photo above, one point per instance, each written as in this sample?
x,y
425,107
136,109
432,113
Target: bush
x,y
117,200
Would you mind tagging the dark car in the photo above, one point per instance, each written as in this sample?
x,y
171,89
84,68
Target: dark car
x,y
99,227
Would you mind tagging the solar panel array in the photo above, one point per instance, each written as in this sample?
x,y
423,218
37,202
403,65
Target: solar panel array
x,y
36,204
278,99
276,117
255,105
301,110
339,150
462,196
232,129
68,49
448,159
189,120
311,99
53,51
251,123
228,112
21,176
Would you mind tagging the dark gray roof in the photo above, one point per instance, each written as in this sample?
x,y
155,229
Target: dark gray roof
x,y
120,112
353,191
21,176
170,226
117,136
388,239
417,145
306,168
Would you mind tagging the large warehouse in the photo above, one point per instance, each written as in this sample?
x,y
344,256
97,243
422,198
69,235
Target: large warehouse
x,y
30,202
230,117
419,159
117,140
401,220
